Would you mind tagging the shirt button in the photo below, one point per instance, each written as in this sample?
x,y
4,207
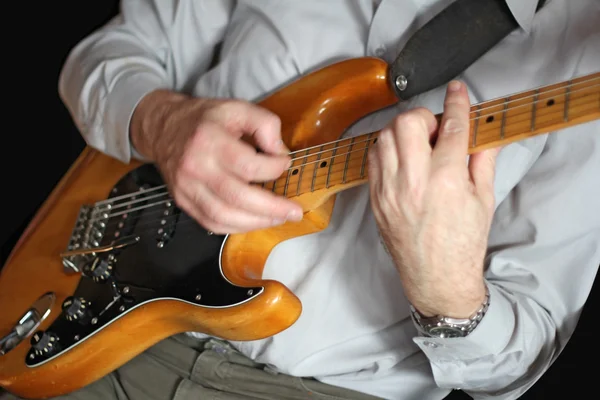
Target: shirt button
x,y
430,344
380,51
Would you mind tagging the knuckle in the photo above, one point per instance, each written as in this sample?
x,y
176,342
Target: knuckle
x,y
214,214
202,139
446,181
407,120
227,192
453,125
272,122
188,166
247,169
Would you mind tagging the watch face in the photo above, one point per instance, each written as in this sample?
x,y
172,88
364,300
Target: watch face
x,y
446,332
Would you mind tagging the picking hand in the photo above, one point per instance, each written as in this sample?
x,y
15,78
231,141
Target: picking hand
x,y
197,145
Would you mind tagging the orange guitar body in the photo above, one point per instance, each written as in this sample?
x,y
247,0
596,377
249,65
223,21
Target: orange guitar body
x,y
315,109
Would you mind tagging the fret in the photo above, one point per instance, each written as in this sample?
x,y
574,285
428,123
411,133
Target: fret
x,y
316,163
535,100
503,124
302,171
331,161
348,158
567,96
364,161
476,128
274,184
287,179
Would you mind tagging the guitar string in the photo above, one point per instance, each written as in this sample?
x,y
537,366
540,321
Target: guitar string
x,y
478,111
148,193
167,218
188,218
104,216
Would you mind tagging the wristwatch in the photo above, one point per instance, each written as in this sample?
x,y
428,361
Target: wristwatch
x,y
446,327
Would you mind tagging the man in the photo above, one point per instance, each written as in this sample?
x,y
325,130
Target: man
x,y
146,86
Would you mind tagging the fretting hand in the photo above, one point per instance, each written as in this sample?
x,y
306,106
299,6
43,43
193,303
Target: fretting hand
x,y
433,209
197,146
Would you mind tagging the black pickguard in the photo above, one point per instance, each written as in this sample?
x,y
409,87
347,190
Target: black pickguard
x,y
184,266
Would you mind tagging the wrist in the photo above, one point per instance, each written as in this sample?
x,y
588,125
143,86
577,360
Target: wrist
x,y
461,301
149,119
450,327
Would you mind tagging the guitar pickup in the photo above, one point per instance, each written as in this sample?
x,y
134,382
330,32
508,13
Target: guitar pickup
x,y
168,224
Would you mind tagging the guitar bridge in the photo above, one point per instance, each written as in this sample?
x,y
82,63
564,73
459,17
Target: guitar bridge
x,y
85,238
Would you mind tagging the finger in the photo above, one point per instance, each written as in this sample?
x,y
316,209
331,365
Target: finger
x,y
412,132
373,157
242,160
453,136
482,168
385,155
254,199
215,215
262,125
187,205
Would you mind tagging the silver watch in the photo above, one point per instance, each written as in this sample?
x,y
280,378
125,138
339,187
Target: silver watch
x,y
446,327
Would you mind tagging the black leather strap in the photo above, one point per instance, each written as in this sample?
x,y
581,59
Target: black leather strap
x,y
449,43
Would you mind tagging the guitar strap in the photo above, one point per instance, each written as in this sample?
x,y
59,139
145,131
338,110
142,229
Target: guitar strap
x,y
449,43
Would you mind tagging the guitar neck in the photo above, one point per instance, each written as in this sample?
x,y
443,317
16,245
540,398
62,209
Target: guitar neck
x,y
342,164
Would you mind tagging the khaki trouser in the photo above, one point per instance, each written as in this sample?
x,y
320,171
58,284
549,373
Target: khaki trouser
x,y
184,368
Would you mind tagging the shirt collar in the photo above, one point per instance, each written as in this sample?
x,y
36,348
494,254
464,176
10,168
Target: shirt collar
x,y
523,11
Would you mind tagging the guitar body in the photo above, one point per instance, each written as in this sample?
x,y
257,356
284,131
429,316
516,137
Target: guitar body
x,y
175,276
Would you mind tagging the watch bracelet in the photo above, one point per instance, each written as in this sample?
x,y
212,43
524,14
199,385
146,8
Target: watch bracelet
x,y
465,325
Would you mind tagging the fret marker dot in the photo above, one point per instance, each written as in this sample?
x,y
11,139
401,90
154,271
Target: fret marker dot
x,y
550,102
323,164
295,172
489,119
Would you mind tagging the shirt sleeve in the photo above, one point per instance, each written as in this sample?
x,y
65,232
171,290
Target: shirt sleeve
x,y
150,44
544,252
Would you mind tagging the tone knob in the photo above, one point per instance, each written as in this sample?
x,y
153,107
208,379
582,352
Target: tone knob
x,y
77,309
44,343
100,270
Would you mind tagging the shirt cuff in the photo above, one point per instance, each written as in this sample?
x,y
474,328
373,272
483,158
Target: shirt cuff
x,y
121,102
489,337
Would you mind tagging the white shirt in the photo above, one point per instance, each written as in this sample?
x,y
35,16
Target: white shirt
x,y
355,330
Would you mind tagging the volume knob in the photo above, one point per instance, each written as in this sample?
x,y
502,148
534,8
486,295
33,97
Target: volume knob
x,y
44,343
76,309
100,270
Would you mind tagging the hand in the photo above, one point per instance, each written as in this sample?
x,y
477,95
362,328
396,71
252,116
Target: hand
x,y
196,144
433,209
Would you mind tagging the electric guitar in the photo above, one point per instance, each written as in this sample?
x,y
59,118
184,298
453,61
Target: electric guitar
x,y
110,265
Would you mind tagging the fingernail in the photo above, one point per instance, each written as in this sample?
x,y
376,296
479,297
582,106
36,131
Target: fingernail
x,y
294,216
454,86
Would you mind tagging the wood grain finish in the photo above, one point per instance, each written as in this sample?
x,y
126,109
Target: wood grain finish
x,y
314,110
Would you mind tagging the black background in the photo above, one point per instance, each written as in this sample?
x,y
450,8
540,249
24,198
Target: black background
x,y
39,142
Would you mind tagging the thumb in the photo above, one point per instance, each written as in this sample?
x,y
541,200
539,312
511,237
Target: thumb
x,y
263,127
482,167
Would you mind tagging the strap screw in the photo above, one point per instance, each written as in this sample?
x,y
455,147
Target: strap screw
x,y
401,83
